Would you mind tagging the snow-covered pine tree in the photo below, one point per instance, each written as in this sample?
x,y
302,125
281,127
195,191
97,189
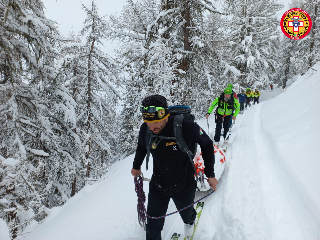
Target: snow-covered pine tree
x,y
94,80
287,65
313,8
145,64
166,49
181,25
29,145
39,150
130,120
212,59
309,47
169,48
253,40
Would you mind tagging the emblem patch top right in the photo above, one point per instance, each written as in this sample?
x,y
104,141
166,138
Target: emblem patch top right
x,y
296,23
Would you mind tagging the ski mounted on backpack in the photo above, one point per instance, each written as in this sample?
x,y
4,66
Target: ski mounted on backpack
x,y
180,112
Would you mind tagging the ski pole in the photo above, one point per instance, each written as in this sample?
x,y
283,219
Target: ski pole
x,y
208,125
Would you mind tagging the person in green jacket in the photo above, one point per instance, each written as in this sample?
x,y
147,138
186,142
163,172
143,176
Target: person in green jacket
x,y
226,105
235,96
248,97
256,94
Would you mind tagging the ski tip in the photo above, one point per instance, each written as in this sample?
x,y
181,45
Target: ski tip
x,y
200,204
175,236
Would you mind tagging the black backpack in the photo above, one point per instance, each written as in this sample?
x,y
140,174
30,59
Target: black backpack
x,y
179,112
230,102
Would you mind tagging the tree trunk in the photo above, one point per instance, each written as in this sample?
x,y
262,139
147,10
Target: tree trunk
x,y
313,31
286,73
4,73
168,4
73,190
88,170
186,35
89,100
12,220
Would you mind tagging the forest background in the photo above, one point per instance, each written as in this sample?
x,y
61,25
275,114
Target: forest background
x,y
69,108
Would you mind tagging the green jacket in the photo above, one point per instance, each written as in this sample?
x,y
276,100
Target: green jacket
x,y
224,108
249,94
256,94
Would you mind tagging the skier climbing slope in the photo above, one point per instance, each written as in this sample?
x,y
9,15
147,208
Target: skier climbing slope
x,y
270,187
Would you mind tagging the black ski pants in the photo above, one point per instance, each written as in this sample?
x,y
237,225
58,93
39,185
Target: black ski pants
x,y
248,102
230,120
256,100
241,106
158,205
225,120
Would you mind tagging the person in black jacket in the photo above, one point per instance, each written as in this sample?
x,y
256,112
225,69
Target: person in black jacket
x,y
173,173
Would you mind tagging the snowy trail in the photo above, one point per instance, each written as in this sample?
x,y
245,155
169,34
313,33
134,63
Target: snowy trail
x,y
270,187
243,210
259,199
291,216
284,218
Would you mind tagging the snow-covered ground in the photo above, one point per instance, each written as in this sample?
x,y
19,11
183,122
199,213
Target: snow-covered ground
x,y
270,188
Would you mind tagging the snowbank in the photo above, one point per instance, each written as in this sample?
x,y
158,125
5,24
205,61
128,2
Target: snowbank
x,y
292,122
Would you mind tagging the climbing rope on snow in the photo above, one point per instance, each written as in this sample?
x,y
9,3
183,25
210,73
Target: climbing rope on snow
x,y
142,213
141,200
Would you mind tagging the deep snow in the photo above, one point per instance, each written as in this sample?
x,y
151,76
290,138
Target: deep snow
x,y
269,189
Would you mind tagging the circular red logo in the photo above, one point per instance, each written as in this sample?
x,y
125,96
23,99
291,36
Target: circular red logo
x,y
296,23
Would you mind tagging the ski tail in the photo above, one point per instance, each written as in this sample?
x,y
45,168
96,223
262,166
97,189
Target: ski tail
x,y
175,236
198,209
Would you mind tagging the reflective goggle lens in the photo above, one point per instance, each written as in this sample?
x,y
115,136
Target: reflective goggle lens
x,y
150,109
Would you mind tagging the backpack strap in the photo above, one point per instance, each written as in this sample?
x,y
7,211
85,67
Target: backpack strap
x,y
220,103
177,131
148,145
149,140
232,101
221,100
